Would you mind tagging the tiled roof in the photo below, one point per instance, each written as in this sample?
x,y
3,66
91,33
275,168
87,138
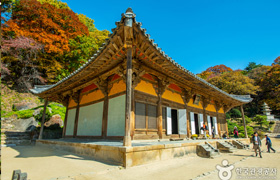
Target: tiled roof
x,y
39,89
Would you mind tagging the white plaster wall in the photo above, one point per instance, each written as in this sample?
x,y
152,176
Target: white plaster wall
x,y
70,122
116,116
90,120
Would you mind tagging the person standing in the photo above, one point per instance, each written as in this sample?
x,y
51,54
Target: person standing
x,y
203,128
213,132
269,144
257,144
235,132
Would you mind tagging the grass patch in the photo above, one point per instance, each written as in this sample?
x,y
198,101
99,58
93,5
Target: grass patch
x,y
24,114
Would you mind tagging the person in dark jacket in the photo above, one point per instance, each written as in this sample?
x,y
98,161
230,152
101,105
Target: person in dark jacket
x,y
269,144
257,143
213,132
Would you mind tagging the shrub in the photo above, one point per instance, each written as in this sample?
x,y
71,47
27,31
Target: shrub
x,y
235,113
58,109
24,114
241,135
40,115
247,120
194,136
231,126
228,116
14,108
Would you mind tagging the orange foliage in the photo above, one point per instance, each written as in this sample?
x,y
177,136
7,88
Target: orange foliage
x,y
277,60
45,23
219,69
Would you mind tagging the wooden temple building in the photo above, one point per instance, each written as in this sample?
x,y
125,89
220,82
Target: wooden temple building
x,y
130,89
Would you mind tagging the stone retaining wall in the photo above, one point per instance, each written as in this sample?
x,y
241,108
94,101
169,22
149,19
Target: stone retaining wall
x,y
130,156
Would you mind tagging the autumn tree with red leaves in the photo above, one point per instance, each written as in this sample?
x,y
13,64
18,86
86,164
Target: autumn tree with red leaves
x,y
45,23
68,39
20,55
214,71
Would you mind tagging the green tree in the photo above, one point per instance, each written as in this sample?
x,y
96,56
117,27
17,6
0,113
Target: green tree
x,y
257,74
270,86
251,66
261,120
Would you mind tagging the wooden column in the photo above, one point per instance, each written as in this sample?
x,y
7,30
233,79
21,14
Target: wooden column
x,y
159,114
188,124
186,96
65,122
65,102
205,103
244,122
219,124
162,85
127,137
132,113
105,116
218,106
77,100
205,117
43,119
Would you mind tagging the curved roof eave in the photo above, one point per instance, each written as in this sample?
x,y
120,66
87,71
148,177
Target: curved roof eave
x,y
38,89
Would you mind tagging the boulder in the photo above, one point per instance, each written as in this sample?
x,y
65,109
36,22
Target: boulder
x,y
37,111
55,119
59,105
50,110
24,106
25,124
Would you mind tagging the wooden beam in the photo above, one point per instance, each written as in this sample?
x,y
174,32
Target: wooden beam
x,y
127,137
43,119
120,41
244,122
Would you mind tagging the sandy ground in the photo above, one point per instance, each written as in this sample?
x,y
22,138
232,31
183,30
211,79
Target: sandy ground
x,y
45,163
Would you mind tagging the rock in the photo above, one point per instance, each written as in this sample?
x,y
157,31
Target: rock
x,y
37,111
59,105
24,106
50,110
55,119
14,116
25,124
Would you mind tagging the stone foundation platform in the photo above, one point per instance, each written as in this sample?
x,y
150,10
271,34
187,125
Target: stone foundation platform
x,y
141,152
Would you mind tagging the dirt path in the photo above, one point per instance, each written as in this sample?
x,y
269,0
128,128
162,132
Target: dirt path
x,y
48,164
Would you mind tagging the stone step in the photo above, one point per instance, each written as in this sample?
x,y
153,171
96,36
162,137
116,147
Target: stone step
x,y
207,150
15,138
17,142
226,147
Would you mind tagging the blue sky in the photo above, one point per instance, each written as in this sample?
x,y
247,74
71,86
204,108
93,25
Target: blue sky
x,y
199,33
